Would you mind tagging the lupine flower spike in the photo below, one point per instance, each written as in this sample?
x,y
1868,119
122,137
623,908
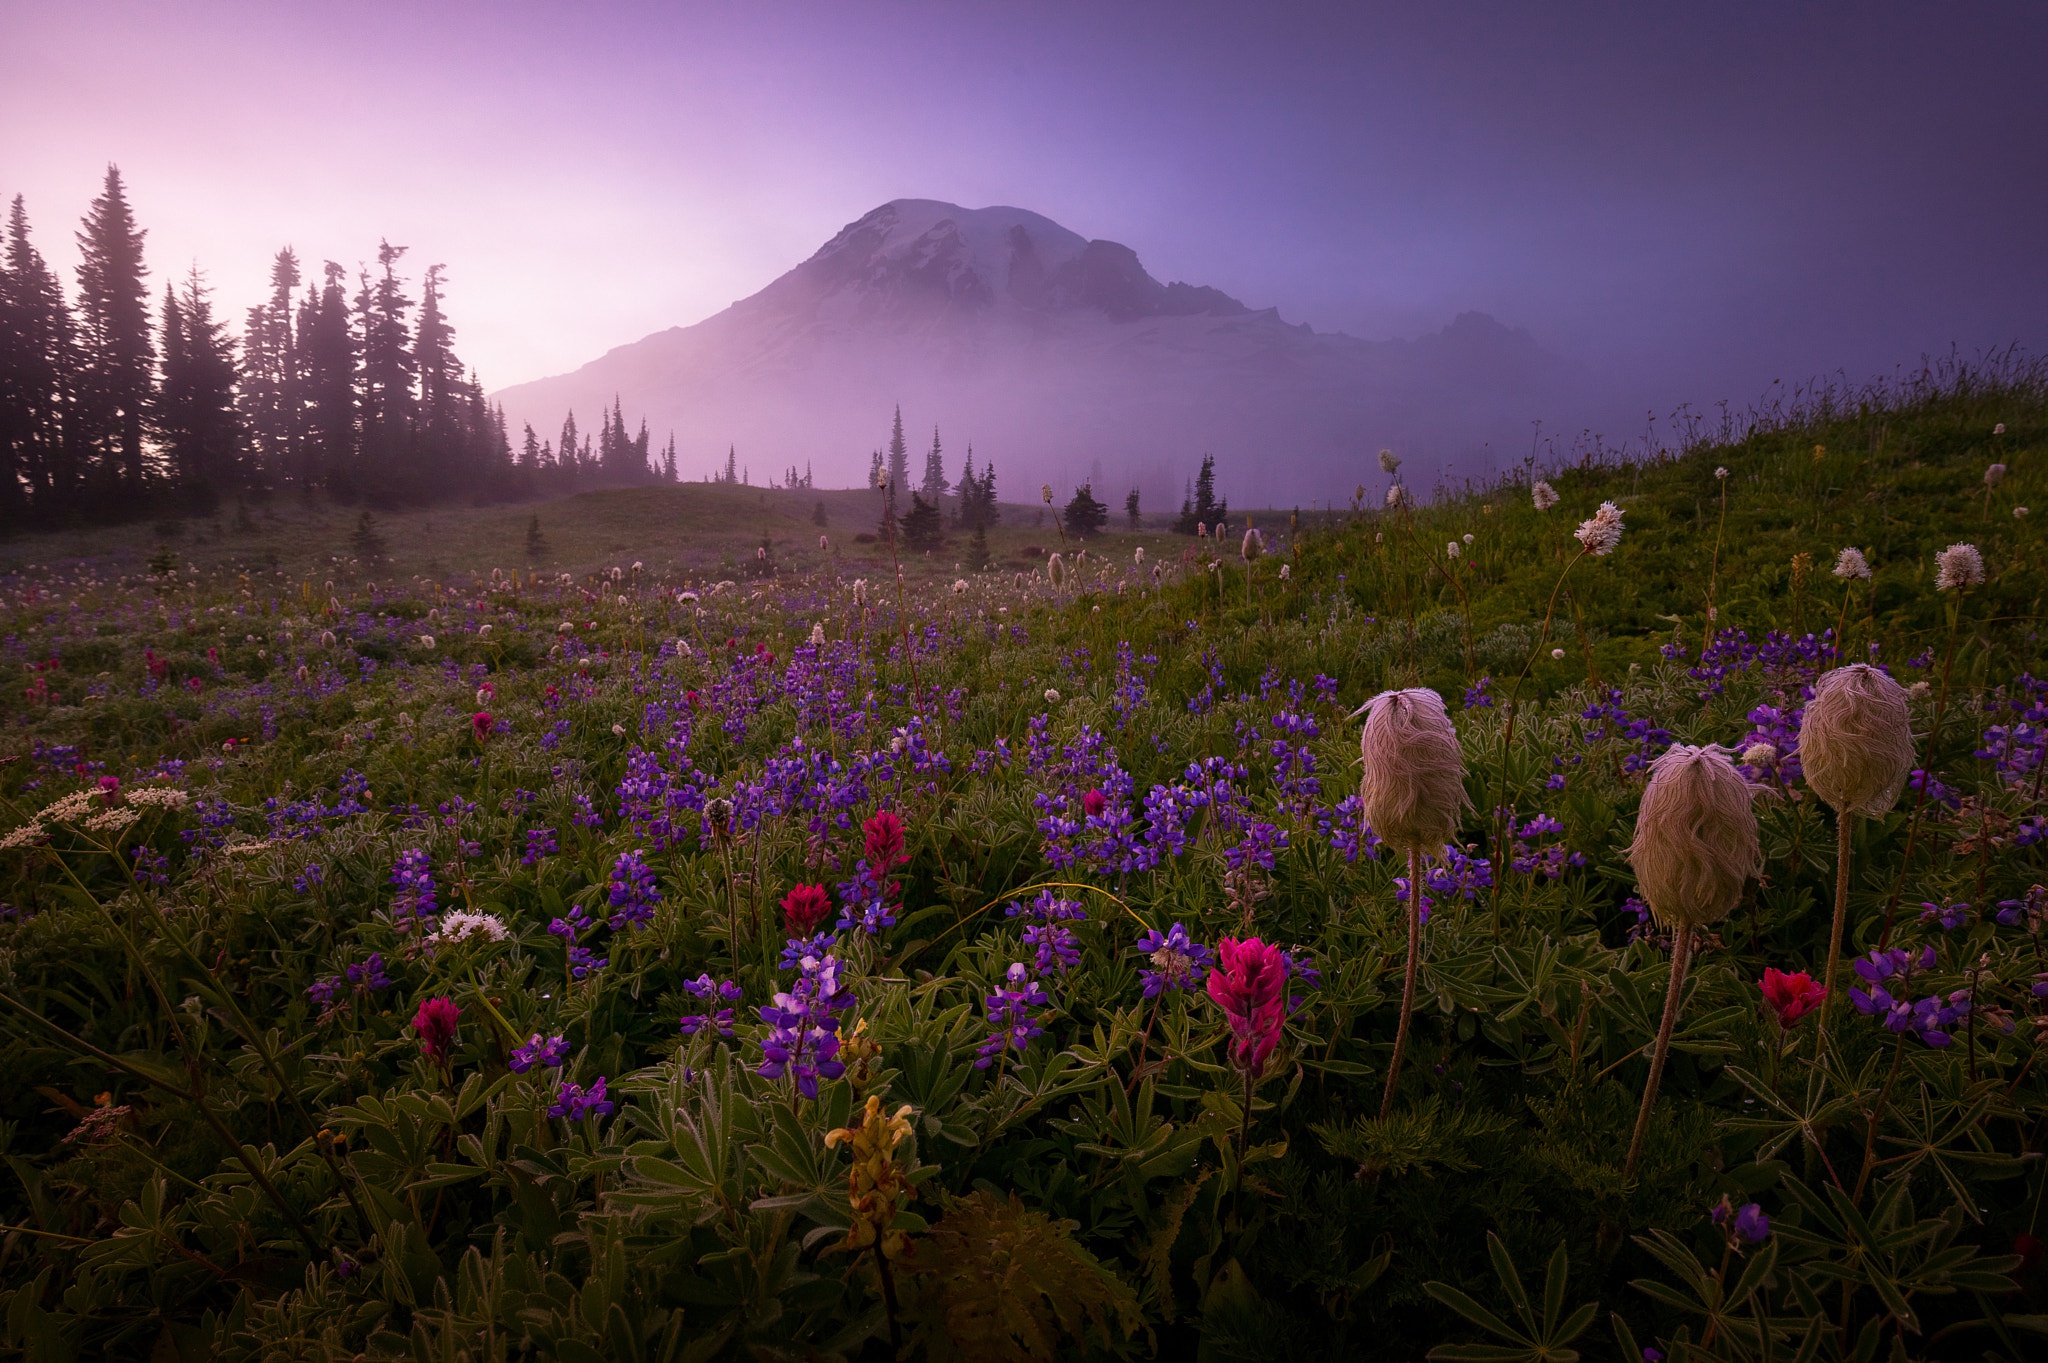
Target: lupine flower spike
x,y
1410,793
1856,750
1695,847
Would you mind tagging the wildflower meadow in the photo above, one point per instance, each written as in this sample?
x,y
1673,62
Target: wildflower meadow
x,y
1596,914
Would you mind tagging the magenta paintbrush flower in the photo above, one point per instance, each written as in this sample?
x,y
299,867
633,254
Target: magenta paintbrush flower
x,y
1250,986
434,1024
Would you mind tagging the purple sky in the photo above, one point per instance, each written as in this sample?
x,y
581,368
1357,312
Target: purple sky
x,y
1693,199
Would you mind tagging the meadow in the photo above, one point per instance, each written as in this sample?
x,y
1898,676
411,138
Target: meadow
x,y
688,938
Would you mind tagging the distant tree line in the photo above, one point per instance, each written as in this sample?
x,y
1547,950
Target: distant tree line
x,y
925,513
114,405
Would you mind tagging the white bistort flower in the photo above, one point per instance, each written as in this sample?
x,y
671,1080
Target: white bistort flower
x,y
1959,565
462,924
1602,533
1543,494
1851,563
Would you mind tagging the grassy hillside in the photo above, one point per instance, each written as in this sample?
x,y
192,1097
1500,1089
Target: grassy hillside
x,y
425,966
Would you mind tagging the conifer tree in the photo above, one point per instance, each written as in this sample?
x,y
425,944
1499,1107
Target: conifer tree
x,y
327,343
923,527
668,459
39,464
536,542
193,414
935,485
977,550
1131,508
385,469
731,464
565,452
899,463
1084,515
116,353
268,395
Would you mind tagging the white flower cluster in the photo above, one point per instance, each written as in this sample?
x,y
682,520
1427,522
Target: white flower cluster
x,y
113,820
69,809
1543,494
157,797
22,836
1959,565
1601,534
1851,563
462,924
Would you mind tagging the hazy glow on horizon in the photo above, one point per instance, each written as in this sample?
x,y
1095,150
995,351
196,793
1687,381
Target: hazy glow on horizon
x,y
1708,202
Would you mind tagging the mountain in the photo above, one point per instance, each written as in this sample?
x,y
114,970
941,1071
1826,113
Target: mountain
x,y
1061,358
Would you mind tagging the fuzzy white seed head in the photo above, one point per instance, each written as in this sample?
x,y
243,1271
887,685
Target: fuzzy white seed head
x,y
1412,771
1396,495
1451,550
1759,755
1958,566
1052,697
1543,495
1994,475
1696,840
1856,740
1390,462
1286,571
1470,538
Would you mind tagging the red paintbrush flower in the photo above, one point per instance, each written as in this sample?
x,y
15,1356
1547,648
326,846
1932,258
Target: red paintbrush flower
x,y
1251,987
434,1025
884,833
1791,997
804,908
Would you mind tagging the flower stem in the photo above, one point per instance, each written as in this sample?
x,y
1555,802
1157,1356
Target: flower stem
x,y
1681,957
1408,984
1845,832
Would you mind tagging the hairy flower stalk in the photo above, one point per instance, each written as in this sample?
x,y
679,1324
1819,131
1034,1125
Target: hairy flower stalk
x,y
1411,792
1856,750
1695,847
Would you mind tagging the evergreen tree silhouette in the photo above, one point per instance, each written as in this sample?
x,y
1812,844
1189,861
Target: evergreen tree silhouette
x,y
923,527
327,343
193,414
1084,515
39,454
115,349
268,395
935,485
899,463
1131,508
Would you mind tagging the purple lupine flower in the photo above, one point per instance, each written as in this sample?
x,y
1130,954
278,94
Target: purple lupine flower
x,y
797,948
414,904
633,892
583,961
548,1052
1747,1225
1058,949
307,880
576,1102
1949,915
324,991
803,1036
368,974
1476,697
2030,912
1009,1013
720,1020
540,842
1178,962
864,903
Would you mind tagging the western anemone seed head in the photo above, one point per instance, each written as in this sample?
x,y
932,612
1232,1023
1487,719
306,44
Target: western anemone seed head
x,y
1994,475
1056,569
1395,496
1412,789
1722,474
1856,740
1453,549
1254,544
1390,462
1851,563
1959,565
1544,495
1601,534
1696,840
1138,556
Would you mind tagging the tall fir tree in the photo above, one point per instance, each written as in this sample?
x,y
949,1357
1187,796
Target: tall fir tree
x,y
269,393
327,346
899,463
565,452
668,459
116,353
38,444
193,415
935,486
387,471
